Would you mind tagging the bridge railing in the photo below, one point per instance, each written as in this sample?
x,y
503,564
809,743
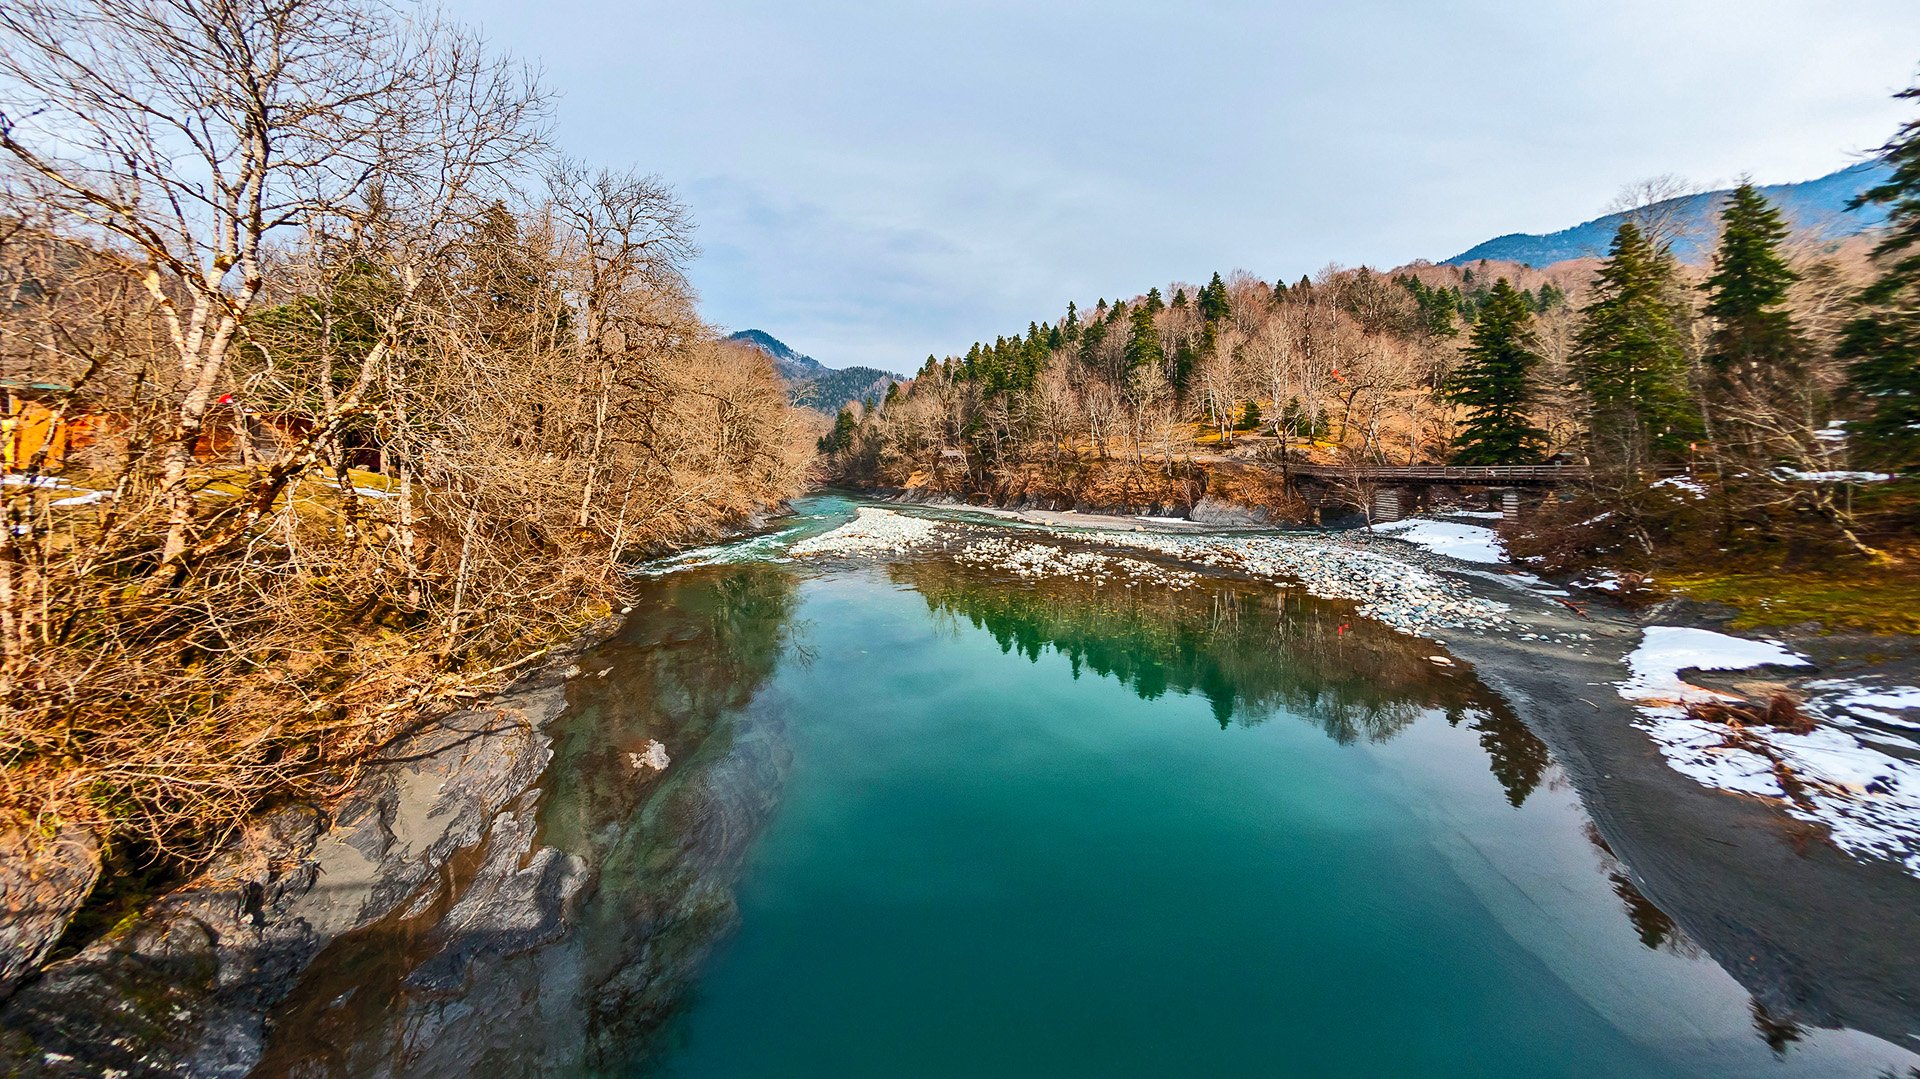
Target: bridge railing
x,y
1467,475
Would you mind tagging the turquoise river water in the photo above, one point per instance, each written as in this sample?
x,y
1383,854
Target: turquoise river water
x,y
925,819
1050,829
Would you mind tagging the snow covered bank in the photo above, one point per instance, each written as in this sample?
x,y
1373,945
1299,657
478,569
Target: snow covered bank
x,y
1868,800
1468,543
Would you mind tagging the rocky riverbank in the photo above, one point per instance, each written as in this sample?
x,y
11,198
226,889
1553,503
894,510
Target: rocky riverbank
x,y
435,917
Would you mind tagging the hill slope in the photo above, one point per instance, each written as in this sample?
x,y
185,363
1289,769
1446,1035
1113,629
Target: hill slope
x,y
814,384
1818,206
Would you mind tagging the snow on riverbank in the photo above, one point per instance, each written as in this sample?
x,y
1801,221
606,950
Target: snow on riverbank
x,y
872,531
1468,543
1868,800
1654,667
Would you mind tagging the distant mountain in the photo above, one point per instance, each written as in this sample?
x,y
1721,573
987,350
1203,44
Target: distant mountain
x,y
1818,206
814,384
792,365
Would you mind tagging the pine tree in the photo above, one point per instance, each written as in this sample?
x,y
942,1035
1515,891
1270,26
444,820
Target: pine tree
x,y
1748,290
841,436
1213,300
1143,341
1630,358
1493,384
1883,342
1753,356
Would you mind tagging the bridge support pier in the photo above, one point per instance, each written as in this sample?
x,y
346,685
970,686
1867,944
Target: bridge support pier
x,y
1386,504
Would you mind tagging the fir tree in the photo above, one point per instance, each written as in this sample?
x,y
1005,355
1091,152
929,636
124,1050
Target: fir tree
x,y
1883,342
1630,358
1250,416
1143,341
1154,303
1493,383
1748,289
1213,300
1179,298
1754,352
841,436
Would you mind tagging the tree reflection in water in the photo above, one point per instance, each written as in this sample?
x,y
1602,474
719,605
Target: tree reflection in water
x,y
1253,651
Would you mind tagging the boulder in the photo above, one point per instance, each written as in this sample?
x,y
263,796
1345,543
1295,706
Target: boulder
x,y
43,881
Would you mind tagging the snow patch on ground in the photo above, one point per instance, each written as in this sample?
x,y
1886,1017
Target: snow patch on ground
x,y
872,531
1868,800
1468,543
1683,483
1833,477
1665,651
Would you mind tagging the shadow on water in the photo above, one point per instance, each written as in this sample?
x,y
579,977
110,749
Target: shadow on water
x,y
500,975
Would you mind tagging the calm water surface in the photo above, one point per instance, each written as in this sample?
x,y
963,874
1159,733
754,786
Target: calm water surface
x,y
1035,829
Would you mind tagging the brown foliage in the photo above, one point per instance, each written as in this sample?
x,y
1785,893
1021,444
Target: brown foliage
x,y
353,462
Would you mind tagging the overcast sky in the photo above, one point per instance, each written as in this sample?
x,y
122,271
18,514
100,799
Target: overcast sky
x,y
875,182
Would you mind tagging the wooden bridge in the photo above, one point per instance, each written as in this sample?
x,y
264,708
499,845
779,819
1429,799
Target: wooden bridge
x,y
1450,475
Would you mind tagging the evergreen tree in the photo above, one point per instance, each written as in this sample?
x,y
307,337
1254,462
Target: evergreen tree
x,y
1213,300
1748,289
1154,303
841,436
1493,383
1754,352
1143,341
1883,342
1179,298
1250,416
1630,357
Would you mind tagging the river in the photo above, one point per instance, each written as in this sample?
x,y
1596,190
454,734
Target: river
x,y
927,819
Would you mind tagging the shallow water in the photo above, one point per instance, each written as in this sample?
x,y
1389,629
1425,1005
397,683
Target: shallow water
x,y
1058,830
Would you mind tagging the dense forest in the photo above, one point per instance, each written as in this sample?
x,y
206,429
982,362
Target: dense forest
x,y
334,395
1756,407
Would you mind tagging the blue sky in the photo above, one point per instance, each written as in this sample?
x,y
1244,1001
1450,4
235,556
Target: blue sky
x,y
876,182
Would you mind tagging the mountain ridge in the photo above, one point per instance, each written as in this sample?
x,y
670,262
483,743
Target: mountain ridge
x,y
814,384
1818,206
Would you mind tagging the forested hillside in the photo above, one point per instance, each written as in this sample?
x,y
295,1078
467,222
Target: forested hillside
x,y
814,385
1766,379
